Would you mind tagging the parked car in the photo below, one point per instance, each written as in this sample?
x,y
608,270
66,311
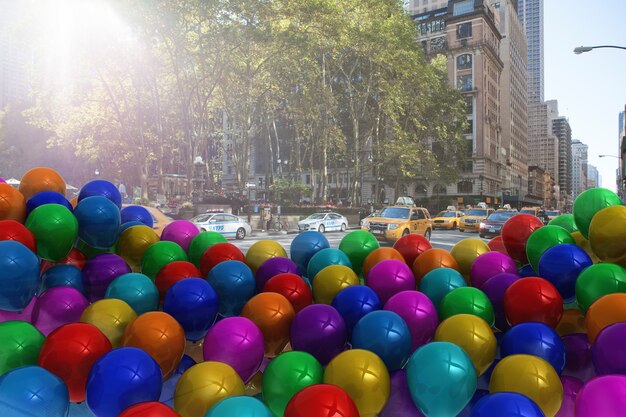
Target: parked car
x,y
492,226
226,224
324,222
473,218
447,219
396,221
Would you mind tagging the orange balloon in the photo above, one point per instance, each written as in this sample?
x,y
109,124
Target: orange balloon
x,y
605,311
160,336
432,259
12,204
572,321
41,179
379,255
272,313
74,201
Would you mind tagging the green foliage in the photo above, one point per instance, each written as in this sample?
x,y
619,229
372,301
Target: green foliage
x,y
289,191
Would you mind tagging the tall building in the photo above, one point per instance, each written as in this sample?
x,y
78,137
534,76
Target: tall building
x,y
593,177
579,167
14,57
531,15
562,130
620,178
543,150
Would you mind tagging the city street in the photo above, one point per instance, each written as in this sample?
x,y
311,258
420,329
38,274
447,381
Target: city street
x,y
444,239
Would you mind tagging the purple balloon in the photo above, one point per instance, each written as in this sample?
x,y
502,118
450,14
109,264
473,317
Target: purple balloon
x,y
389,277
609,351
400,403
418,312
488,265
100,271
181,232
571,386
56,307
319,329
273,267
2,180
24,315
602,396
494,288
238,342
578,357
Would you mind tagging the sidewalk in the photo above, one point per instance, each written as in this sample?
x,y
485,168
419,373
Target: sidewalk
x,y
261,232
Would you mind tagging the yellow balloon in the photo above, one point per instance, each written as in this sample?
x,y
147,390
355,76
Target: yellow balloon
x,y
363,375
330,280
466,251
133,242
263,250
204,385
111,316
473,335
584,244
572,321
531,376
606,233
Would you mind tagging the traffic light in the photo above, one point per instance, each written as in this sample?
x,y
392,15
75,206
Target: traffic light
x,y
261,181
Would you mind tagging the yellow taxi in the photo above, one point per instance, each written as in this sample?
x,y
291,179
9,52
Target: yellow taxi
x,y
473,218
393,222
552,213
447,219
530,210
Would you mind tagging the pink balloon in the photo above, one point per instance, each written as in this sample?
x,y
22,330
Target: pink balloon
x,y
389,277
56,307
2,180
571,387
24,315
418,312
602,396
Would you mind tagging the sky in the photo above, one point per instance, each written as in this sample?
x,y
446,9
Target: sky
x,y
590,87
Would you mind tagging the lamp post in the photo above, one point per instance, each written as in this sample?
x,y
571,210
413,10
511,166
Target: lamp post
x,y
582,49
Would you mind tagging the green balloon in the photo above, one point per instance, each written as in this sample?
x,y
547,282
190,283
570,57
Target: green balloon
x,y
90,251
287,374
160,254
467,300
588,203
543,239
201,243
55,229
20,346
357,245
566,221
597,281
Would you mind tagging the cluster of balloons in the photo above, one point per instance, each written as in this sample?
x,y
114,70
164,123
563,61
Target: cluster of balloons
x,y
103,317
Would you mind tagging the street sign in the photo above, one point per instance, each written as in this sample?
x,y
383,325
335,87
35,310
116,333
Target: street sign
x,y
250,185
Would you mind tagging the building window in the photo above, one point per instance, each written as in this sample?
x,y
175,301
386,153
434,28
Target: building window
x,y
464,62
463,7
439,190
469,129
464,187
464,82
464,30
469,105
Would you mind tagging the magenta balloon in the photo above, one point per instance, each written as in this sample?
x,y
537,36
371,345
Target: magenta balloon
x,y
578,357
181,232
319,329
571,386
389,277
418,312
56,307
489,264
238,342
273,267
24,315
494,288
2,180
100,271
602,396
609,350
400,403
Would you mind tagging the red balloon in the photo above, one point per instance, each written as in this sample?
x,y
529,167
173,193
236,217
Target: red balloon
x,y
321,400
497,245
173,272
75,258
533,299
70,351
14,230
149,409
411,246
292,287
217,253
515,233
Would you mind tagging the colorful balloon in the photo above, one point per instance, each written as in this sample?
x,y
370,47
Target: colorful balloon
x,y
41,179
273,314
12,204
234,284
354,302
149,409
605,311
200,243
160,254
98,221
590,202
58,306
20,278
467,300
101,188
273,267
32,391
389,277
217,253
181,232
533,299
307,244
330,280
439,282
400,403
609,354
320,331
566,221
379,255
562,265
506,404
496,244
240,406
111,316
411,246
597,281
137,290
494,289
193,303
321,400
515,233
430,260
14,230
133,243
293,287
100,271
578,356
173,272
324,258
136,214
603,396
537,339
465,253
418,312
543,239
263,250
357,245
571,387
55,229
21,344
489,265
63,276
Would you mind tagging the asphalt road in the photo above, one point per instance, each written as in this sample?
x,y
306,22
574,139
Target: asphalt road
x,y
444,239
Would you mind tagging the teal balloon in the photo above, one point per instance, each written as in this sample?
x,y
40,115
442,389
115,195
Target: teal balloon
x,y
32,391
439,282
137,290
588,203
240,406
441,379
324,258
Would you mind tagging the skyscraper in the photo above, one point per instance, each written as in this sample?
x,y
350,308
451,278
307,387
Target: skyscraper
x,y
531,14
579,167
593,177
562,130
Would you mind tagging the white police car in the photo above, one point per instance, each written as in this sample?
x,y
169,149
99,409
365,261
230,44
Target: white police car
x,y
323,222
226,224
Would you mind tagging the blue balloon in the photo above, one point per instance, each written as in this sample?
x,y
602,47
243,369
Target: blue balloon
x,y
31,391
137,290
506,404
526,271
324,258
121,378
240,406
47,197
561,265
439,282
63,276
137,214
169,386
98,222
194,304
128,225
535,339
354,302
234,283
305,245
441,378
101,188
19,275
478,395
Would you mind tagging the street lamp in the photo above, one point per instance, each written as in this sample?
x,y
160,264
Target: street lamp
x,y
581,49
608,156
